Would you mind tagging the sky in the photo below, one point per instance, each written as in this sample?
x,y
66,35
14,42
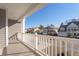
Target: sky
x,y
53,13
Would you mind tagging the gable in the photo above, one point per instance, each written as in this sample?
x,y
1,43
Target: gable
x,y
62,28
72,25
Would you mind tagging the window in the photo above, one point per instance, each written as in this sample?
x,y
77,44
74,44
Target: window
x,y
68,29
74,33
74,29
77,29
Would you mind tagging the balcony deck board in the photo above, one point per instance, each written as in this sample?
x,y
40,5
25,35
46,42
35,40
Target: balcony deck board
x,y
15,48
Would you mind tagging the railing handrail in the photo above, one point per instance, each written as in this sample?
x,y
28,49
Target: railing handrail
x,y
35,50
54,37
68,42
13,36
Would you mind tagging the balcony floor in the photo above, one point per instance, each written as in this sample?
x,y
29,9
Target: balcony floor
x,y
15,48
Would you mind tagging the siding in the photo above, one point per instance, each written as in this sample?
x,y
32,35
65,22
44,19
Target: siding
x,y
2,28
64,34
14,27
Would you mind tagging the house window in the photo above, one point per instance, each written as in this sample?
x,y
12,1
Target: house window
x,y
68,29
74,33
74,29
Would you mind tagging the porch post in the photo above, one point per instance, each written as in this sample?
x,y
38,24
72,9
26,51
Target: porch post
x,y
24,25
36,40
23,28
6,37
6,44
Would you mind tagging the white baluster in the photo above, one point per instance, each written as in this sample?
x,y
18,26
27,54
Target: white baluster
x,y
36,42
46,45
72,48
65,48
55,47
51,47
41,43
60,47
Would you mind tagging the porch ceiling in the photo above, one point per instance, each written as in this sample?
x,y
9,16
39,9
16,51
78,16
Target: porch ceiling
x,y
18,10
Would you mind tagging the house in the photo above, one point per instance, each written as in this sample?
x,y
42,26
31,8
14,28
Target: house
x,y
70,29
62,31
50,30
45,31
38,30
12,24
15,42
30,30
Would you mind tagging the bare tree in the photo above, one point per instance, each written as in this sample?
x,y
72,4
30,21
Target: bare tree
x,y
62,23
41,27
73,20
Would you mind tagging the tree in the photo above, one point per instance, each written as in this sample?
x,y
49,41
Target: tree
x,y
48,27
73,20
41,27
66,22
52,26
62,24
30,30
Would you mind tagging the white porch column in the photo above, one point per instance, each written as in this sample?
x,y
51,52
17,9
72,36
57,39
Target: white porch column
x,y
6,31
23,27
36,40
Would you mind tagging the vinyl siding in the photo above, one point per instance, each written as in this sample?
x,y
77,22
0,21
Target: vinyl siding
x,y
14,27
2,28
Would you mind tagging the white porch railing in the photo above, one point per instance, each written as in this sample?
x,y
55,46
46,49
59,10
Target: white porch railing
x,y
53,46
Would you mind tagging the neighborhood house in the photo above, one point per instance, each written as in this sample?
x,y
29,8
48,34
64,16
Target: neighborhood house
x,y
71,29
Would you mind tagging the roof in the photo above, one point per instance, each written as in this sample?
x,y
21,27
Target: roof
x,y
17,11
65,26
62,26
75,22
